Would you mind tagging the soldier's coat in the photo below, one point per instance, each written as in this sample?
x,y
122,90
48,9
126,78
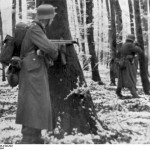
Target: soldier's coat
x,y
127,76
34,103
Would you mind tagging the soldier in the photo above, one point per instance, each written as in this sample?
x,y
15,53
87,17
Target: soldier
x,y
34,103
127,67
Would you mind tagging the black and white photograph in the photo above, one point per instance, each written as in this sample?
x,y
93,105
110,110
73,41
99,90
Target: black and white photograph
x,y
74,72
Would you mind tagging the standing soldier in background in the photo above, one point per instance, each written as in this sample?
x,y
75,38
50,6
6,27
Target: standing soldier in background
x,y
127,67
34,103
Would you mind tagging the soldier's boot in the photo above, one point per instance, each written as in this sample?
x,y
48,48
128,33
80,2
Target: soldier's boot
x,y
134,93
118,92
112,79
31,140
31,136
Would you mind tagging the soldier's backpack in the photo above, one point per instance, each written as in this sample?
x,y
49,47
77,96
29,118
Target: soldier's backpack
x,y
10,54
12,45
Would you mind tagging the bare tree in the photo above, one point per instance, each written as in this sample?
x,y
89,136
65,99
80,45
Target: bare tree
x,y
1,34
94,62
113,28
131,16
142,60
77,111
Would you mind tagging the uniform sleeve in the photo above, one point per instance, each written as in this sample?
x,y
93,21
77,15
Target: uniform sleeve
x,y
39,38
137,49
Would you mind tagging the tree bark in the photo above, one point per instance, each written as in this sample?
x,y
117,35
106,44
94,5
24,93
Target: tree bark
x,y
90,36
142,60
83,33
78,110
131,16
119,26
113,28
13,17
1,34
144,23
20,9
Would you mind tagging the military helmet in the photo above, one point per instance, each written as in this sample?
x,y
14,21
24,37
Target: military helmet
x,y
130,37
45,11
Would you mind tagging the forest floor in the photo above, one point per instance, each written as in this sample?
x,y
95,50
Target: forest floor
x,y
128,120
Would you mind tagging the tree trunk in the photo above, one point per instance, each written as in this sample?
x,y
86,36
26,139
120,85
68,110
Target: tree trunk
x,y
102,33
119,26
1,34
20,9
113,28
142,60
148,2
90,36
131,16
144,23
109,20
77,111
13,17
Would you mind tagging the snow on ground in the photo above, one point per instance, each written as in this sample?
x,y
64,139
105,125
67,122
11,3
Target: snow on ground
x,y
128,120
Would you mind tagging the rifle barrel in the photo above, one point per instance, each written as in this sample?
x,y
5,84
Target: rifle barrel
x,y
65,41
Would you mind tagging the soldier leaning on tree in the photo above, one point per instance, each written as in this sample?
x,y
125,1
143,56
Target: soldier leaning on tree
x,y
34,103
127,67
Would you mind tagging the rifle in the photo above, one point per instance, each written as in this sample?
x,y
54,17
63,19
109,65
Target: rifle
x,y
66,43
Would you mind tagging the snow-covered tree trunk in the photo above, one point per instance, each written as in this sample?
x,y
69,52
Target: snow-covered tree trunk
x,y
17,12
126,18
113,28
119,25
94,63
148,9
68,112
13,17
6,23
1,45
131,16
24,10
6,14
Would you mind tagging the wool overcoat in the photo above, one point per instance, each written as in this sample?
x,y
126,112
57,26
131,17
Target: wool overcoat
x,y
34,102
127,76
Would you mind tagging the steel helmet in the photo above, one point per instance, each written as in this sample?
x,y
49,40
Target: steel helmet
x,y
130,37
45,11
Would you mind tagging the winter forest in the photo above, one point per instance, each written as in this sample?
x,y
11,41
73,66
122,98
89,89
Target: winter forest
x,y
86,109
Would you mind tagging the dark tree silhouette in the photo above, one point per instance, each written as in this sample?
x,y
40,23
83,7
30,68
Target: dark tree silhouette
x,y
131,16
142,60
113,28
119,26
94,61
78,110
1,34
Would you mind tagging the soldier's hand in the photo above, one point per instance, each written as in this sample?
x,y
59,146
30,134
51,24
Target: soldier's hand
x,y
62,48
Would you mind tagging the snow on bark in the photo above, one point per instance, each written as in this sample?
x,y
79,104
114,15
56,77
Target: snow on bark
x,y
126,18
6,14
24,10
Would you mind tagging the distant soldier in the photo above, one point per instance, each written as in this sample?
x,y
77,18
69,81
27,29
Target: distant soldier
x,y
127,67
34,110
